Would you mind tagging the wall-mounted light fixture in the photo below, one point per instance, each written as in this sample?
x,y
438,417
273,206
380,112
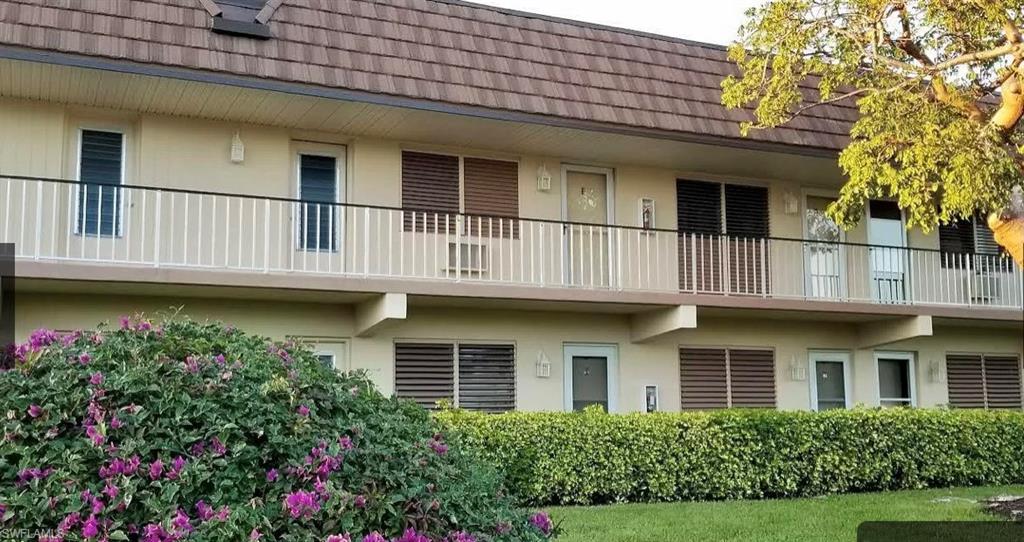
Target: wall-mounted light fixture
x,y
645,213
543,178
237,149
790,203
543,365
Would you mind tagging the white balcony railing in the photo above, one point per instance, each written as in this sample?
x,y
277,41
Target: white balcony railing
x,y
58,220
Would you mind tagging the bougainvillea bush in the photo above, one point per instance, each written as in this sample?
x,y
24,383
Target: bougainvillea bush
x,y
187,431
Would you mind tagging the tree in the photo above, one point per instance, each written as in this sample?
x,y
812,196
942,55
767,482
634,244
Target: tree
x,y
939,85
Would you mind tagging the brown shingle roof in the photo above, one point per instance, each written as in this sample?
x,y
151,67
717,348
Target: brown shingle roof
x,y
439,50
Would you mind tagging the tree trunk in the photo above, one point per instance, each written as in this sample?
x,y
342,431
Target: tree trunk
x,y
1009,233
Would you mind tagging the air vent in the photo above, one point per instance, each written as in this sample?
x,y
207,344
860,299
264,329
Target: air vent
x,y
242,18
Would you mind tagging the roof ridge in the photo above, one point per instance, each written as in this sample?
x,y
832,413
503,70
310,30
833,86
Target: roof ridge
x,y
582,24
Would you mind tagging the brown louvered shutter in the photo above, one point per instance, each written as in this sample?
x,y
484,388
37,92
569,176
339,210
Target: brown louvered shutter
x,y
752,378
491,189
430,190
702,378
425,372
1002,382
965,381
487,377
699,219
746,224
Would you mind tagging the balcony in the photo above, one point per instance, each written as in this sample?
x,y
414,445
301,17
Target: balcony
x,y
141,227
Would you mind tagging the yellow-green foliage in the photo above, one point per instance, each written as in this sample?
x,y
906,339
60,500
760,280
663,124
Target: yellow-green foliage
x,y
592,457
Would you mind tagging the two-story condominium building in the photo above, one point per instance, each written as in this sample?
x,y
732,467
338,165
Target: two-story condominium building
x,y
498,208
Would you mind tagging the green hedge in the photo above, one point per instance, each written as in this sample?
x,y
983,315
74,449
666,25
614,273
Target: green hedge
x,y
592,457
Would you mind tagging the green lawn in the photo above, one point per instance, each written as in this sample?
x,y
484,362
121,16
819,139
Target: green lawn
x,y
833,518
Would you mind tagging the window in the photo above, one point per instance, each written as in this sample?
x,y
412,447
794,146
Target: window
x,y
471,376
326,358
713,378
438,187
895,379
966,237
318,214
983,381
713,208
707,210
101,172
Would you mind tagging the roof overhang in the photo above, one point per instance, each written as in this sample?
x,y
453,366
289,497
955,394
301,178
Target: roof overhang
x,y
156,70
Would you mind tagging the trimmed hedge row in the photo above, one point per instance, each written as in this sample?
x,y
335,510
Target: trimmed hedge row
x,y
592,457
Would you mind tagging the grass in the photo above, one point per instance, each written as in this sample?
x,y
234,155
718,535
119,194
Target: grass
x,y
832,518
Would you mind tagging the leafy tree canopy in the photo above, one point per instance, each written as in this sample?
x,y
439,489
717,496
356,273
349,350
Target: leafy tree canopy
x,y
939,85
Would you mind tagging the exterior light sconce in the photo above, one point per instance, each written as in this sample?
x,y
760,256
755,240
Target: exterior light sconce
x,y
645,213
936,372
237,149
543,365
797,370
543,179
790,203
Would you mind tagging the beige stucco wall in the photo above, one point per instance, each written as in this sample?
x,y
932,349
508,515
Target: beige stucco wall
x,y
533,333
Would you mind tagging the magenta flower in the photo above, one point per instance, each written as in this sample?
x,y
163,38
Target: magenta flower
x,y
503,527
84,358
198,449
410,535
125,322
96,379
144,325
156,469
374,537
204,511
191,365
219,359
94,435
111,491
90,529
460,536
255,535
223,513
339,538
359,501
181,523
541,521
439,447
35,410
301,504
115,423
41,338
176,467
272,475
218,447
345,442
154,532
303,410
67,523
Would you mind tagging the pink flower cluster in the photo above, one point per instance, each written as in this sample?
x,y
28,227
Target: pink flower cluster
x,y
409,535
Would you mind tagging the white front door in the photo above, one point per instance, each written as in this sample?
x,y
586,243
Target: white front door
x,y
591,376
830,380
824,256
586,204
887,235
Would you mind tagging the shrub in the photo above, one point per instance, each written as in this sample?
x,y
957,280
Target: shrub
x,y
201,432
592,457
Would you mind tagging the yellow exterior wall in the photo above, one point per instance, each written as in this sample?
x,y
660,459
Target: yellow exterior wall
x,y
189,153
654,363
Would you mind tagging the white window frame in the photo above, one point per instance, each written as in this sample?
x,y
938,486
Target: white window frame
x,y
325,150
340,352
322,354
607,351
829,356
78,177
909,357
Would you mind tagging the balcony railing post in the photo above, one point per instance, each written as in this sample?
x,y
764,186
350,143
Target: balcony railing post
x,y
266,236
158,213
39,216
